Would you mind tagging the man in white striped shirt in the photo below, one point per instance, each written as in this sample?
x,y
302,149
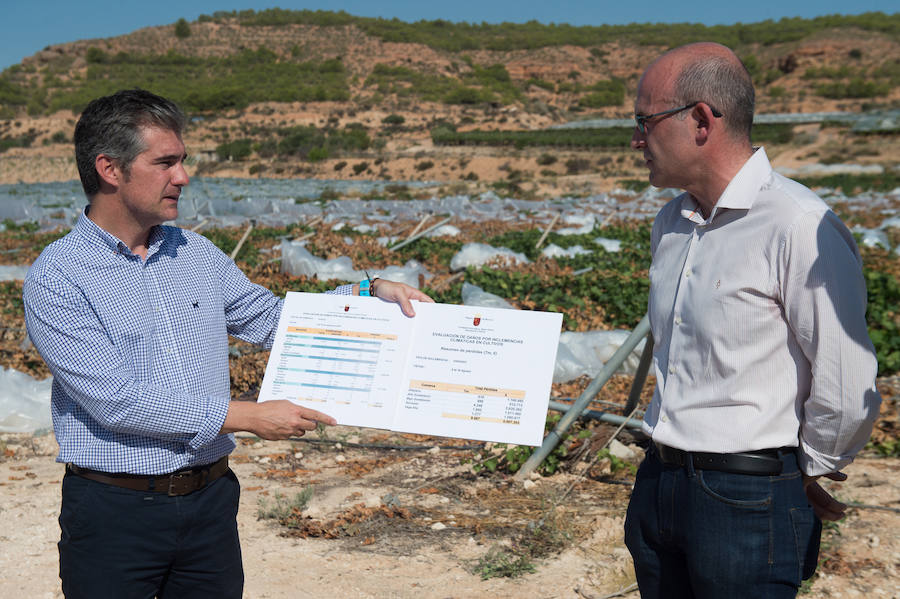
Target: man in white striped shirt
x,y
764,368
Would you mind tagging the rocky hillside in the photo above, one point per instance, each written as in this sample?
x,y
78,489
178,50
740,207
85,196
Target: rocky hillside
x,y
287,94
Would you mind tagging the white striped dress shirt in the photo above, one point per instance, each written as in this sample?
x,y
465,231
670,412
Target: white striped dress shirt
x,y
758,313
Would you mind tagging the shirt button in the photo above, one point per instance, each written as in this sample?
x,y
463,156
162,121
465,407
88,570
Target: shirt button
x,y
687,272
664,418
677,320
671,370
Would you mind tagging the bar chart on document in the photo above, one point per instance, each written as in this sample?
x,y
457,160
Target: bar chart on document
x,y
308,368
340,356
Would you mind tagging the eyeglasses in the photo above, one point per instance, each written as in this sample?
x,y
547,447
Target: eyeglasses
x,y
641,119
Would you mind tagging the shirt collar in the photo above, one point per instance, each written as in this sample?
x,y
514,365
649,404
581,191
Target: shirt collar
x,y
741,191
97,235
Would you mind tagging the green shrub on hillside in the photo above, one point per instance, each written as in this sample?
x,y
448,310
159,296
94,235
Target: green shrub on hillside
x,y
235,150
21,141
604,93
841,72
393,119
855,88
182,29
11,94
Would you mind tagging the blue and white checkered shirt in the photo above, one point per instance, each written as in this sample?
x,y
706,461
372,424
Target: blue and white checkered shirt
x,y
139,348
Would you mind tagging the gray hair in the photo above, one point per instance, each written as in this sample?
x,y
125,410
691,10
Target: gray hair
x,y
725,85
112,125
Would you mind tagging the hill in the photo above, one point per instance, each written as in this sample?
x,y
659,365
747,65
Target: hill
x,y
329,95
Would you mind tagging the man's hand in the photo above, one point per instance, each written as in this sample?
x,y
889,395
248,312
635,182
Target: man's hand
x,y
825,506
400,293
272,420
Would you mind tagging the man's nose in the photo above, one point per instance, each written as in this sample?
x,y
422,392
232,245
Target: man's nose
x,y
637,139
180,176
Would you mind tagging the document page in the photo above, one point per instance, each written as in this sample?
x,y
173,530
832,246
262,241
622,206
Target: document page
x,y
479,373
452,371
341,355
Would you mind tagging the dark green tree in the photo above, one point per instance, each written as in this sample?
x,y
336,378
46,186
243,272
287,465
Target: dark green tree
x,y
182,29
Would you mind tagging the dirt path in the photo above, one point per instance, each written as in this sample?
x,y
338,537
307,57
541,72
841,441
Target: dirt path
x,y
415,524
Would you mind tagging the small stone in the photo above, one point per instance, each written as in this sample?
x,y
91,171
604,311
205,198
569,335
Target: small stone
x,y
438,526
873,541
529,484
619,450
338,446
340,458
299,455
434,450
265,460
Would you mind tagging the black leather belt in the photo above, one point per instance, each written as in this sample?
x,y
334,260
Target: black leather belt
x,y
180,482
766,462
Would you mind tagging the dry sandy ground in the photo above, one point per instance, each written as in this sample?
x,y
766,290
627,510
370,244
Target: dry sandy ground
x,y
444,519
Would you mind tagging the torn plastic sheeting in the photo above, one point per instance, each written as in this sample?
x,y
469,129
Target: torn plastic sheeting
x,y
473,295
610,245
584,222
12,273
410,273
872,238
478,254
24,402
297,260
445,231
890,223
585,354
554,251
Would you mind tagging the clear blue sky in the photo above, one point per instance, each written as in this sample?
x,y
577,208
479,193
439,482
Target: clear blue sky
x,y
30,25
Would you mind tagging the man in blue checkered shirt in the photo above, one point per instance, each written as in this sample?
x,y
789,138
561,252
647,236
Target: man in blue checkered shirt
x,y
133,319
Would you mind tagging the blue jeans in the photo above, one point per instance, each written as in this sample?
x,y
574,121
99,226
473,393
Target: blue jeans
x,y
121,543
717,535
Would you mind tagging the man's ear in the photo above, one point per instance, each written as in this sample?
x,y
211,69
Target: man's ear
x,y
704,121
108,170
